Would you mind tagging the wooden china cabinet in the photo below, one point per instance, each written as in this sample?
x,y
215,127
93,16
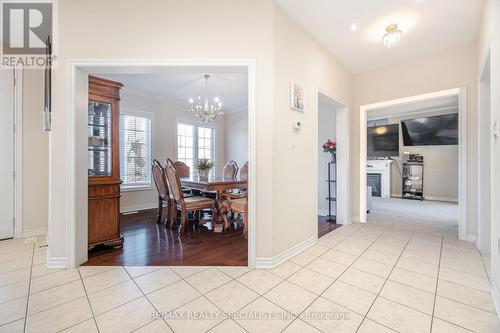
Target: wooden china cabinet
x,y
104,163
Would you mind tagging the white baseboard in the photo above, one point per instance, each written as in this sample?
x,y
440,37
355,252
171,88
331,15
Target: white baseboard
x,y
428,197
34,232
446,199
355,219
285,255
471,237
495,294
322,212
138,207
56,262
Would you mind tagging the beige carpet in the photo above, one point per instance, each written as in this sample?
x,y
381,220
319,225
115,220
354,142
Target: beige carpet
x,y
438,215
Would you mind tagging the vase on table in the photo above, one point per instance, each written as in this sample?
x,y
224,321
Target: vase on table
x,y
203,175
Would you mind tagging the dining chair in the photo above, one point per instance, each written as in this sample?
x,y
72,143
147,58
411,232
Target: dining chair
x,y
184,170
160,179
244,171
230,170
236,203
186,204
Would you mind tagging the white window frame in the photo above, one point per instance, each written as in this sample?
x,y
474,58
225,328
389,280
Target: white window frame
x,y
184,121
142,114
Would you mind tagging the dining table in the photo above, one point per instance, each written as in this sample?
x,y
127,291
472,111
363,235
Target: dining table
x,y
217,185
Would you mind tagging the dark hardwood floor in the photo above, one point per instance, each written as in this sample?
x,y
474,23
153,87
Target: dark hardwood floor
x,y
325,227
150,244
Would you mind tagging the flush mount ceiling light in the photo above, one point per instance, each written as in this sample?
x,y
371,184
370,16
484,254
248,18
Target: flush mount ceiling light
x,y
392,35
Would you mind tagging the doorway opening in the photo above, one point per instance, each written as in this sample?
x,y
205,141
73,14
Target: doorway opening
x,y
413,160
169,133
331,180
11,152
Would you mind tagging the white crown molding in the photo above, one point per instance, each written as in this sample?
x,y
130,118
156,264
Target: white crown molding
x,y
285,255
174,101
160,98
382,114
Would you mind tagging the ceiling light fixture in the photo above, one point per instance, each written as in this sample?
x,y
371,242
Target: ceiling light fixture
x,y
392,35
204,111
354,27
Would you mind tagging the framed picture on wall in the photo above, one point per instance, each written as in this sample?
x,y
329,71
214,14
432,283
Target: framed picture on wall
x,y
297,96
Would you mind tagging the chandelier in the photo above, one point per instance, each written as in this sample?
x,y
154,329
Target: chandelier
x,y
204,111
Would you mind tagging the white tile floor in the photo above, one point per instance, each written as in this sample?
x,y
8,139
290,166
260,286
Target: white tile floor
x,y
359,278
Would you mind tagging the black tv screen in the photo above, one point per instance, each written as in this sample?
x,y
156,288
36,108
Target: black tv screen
x,y
383,141
431,131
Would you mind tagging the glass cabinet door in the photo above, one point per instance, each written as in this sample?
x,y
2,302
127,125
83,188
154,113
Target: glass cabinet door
x,y
99,133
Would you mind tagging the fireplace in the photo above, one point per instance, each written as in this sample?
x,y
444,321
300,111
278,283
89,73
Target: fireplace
x,y
375,181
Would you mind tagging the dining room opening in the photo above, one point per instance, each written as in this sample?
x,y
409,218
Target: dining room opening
x,y
168,167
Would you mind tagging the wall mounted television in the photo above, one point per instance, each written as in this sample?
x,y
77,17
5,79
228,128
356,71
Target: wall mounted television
x,y
431,131
383,141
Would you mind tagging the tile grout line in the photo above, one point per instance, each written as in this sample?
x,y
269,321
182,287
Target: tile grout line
x,y
29,289
209,300
437,283
88,300
300,314
149,301
383,285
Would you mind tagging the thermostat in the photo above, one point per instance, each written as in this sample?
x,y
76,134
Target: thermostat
x,y
297,124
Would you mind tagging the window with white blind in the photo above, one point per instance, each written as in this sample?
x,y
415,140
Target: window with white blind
x,y
135,149
194,143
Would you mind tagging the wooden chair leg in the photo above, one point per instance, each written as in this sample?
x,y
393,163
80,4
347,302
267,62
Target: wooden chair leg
x,y
182,227
212,219
173,214
160,210
167,219
245,221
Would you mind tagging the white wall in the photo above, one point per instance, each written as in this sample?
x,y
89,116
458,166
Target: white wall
x,y
489,40
161,29
297,57
327,129
35,155
237,137
452,68
164,117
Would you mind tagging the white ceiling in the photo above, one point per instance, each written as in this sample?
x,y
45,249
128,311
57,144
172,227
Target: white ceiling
x,y
427,25
179,84
449,103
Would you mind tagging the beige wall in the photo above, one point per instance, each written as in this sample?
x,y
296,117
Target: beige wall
x,y
35,155
489,40
164,117
237,137
161,29
299,58
452,68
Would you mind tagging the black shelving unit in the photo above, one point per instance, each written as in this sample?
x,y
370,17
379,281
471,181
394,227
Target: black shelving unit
x,y
332,199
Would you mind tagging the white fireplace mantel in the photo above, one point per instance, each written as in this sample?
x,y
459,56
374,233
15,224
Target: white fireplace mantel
x,y
382,167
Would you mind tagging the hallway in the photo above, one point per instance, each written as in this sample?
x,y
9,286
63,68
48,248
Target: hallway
x,y
367,277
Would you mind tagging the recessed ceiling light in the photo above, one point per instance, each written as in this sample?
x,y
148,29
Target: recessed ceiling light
x,y
392,35
354,27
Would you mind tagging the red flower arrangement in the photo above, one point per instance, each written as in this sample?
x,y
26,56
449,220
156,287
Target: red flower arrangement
x,y
330,146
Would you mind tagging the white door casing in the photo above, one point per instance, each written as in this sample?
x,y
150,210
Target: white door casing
x,y
7,153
